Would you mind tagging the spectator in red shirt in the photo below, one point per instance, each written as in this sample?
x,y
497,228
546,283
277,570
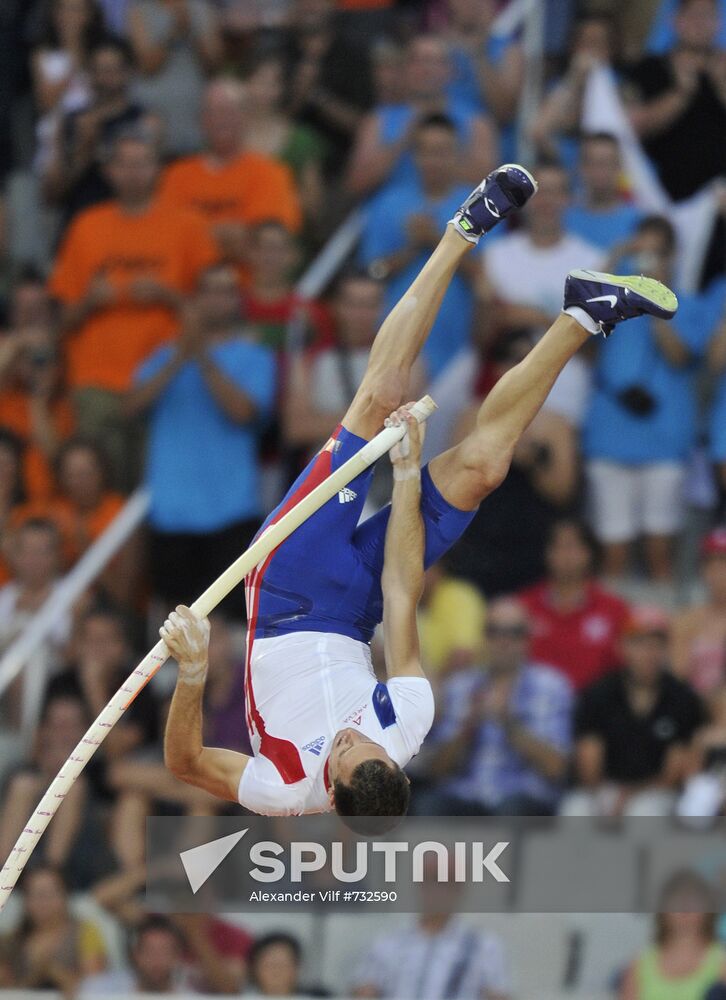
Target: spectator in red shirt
x,y
576,623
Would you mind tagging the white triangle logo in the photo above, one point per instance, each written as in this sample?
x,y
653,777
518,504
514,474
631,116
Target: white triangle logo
x,y
200,862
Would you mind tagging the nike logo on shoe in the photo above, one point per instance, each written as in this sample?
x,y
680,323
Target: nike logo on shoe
x,y
612,299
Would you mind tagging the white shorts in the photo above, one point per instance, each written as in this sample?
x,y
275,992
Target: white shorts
x,y
628,501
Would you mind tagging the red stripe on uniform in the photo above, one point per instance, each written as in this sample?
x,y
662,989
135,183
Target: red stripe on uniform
x,y
282,753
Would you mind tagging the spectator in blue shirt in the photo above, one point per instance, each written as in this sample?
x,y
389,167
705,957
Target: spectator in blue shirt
x,y
601,215
402,227
487,69
662,37
502,742
383,157
642,423
206,396
717,367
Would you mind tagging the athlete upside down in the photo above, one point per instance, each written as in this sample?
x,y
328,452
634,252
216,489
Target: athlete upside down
x,y
325,733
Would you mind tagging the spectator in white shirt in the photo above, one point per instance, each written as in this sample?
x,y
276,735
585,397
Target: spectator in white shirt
x,y
523,275
439,957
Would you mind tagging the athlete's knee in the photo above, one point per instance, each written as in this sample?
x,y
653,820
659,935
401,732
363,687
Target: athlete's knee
x,y
486,462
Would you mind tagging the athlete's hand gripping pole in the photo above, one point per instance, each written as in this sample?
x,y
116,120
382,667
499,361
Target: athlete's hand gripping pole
x,y
216,592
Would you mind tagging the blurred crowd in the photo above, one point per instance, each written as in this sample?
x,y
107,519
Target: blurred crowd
x,y
170,170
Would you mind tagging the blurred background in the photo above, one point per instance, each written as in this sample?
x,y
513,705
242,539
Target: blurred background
x,y
206,207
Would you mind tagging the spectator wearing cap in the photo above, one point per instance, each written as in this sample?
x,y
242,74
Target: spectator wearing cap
x,y
634,728
600,213
576,623
176,46
383,153
73,176
641,425
121,275
502,741
698,651
402,227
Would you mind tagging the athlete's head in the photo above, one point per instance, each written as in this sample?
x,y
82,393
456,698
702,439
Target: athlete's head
x,y
369,791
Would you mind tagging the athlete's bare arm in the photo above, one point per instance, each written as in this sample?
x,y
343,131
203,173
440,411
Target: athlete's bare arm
x,y
403,572
215,770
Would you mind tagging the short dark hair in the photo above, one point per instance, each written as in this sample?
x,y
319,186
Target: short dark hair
x,y
582,528
272,939
437,120
375,800
115,44
351,275
80,442
41,524
659,224
156,922
600,137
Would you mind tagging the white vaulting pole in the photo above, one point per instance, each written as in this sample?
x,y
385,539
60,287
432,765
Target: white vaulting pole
x,y
232,576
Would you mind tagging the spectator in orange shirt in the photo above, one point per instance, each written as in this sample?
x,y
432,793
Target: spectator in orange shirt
x,y
11,493
32,404
232,187
82,510
121,275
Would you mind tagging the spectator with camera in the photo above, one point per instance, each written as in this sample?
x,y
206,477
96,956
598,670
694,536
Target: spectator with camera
x,y
634,728
502,550
73,176
642,422
502,739
33,405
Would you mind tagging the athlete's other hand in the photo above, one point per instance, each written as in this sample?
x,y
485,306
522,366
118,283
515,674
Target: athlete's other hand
x,y
187,639
406,453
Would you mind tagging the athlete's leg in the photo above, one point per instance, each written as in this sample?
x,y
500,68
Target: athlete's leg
x,y
468,472
401,337
405,329
471,470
